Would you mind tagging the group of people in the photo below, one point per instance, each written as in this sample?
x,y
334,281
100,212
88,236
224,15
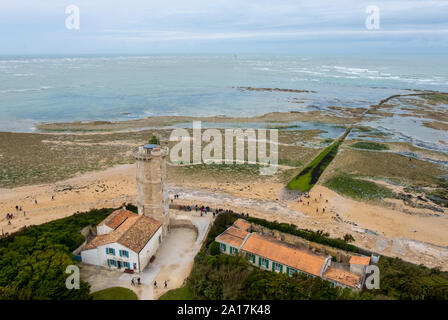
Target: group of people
x,y
308,196
205,209
9,216
165,284
133,281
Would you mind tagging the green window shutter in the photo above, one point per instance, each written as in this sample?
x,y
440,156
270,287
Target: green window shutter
x,y
253,259
107,250
225,248
230,250
273,266
267,263
259,261
108,262
281,268
120,253
287,270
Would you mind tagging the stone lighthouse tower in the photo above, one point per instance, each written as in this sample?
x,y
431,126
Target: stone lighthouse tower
x,y
152,199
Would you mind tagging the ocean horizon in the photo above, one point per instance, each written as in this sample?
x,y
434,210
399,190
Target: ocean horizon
x,y
35,89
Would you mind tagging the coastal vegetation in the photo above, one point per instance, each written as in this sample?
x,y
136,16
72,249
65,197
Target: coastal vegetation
x,y
33,260
309,176
437,98
387,165
354,187
33,263
114,293
367,145
154,140
220,276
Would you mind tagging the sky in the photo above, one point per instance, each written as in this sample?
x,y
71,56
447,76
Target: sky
x,y
224,26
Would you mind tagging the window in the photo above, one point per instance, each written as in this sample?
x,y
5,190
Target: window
x,y
264,262
124,253
160,240
277,266
110,251
251,257
111,262
222,246
135,265
127,265
292,271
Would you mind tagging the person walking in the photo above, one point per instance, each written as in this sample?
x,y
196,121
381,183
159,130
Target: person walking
x,y
166,284
155,284
132,282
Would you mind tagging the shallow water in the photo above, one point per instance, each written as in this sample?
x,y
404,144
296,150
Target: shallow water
x,y
52,89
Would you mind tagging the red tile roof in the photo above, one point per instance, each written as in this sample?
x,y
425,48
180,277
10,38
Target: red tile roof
x,y
242,224
360,260
284,254
134,231
116,218
233,236
342,276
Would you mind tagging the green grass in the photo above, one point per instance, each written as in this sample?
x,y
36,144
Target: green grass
x,y
114,293
182,293
309,176
370,145
359,189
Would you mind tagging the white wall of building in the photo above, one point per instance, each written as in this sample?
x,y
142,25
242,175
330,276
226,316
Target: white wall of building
x,y
98,256
150,249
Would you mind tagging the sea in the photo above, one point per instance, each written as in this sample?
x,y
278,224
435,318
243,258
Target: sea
x,y
36,89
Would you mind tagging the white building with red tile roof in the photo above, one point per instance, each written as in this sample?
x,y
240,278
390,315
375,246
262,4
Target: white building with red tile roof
x,y
124,241
279,256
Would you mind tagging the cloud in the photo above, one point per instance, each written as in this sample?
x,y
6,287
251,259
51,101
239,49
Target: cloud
x,y
108,24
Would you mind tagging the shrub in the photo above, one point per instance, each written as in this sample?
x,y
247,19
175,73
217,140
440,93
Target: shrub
x,y
33,260
214,248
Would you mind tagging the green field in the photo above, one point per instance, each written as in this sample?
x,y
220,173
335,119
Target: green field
x,y
182,293
309,176
366,145
114,293
350,186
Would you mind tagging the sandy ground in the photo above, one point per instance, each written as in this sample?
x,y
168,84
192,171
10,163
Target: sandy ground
x,y
366,222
